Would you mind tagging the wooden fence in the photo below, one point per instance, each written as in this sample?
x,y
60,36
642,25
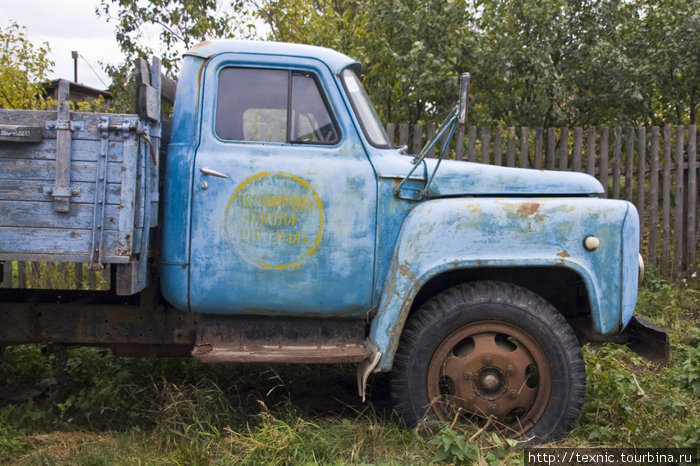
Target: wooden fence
x,y
656,168
661,160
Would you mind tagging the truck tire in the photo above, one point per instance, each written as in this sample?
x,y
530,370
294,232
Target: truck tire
x,y
490,352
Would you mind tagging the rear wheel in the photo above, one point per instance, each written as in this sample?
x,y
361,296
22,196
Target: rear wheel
x,y
491,352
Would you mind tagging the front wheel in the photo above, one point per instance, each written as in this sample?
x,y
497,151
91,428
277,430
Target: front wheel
x,y
493,352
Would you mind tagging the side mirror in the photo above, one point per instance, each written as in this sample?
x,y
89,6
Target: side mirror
x,y
464,98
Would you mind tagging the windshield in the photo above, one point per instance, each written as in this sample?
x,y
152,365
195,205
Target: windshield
x,y
371,124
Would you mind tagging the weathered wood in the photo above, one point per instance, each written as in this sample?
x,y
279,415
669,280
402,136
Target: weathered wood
x,y
629,163
46,244
35,191
417,138
82,150
62,166
538,148
603,172
168,90
641,172
564,149
679,208
429,133
692,195
472,144
617,163
7,274
590,151
485,144
510,148
78,271
24,214
459,143
403,135
497,147
578,149
21,274
653,197
20,133
551,148
524,147
391,132
666,206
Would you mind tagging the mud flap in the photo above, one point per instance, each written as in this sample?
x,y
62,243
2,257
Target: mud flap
x,y
647,340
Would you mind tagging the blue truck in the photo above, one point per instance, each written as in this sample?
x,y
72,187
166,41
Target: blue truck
x,y
280,224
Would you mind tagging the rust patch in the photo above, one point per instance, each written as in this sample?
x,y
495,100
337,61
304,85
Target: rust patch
x,y
563,254
405,270
528,208
474,208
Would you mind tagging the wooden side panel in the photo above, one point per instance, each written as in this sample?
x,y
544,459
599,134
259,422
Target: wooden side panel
x,y
31,228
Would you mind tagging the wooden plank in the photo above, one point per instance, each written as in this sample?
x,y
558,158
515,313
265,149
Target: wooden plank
x,y
510,147
524,147
33,190
629,163
55,247
653,197
679,208
35,276
21,274
564,149
485,144
497,147
168,91
539,134
82,150
590,151
578,149
403,135
78,273
391,132
7,274
20,133
551,148
617,163
41,170
429,133
666,206
459,143
417,139
61,191
472,143
24,214
641,172
692,196
604,171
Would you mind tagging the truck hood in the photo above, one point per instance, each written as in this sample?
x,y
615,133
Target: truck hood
x,y
455,178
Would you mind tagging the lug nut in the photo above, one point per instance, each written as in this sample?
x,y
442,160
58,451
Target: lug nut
x,y
512,394
471,399
488,360
493,407
468,375
510,370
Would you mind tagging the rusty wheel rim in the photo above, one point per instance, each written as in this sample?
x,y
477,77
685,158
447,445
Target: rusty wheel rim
x,y
490,370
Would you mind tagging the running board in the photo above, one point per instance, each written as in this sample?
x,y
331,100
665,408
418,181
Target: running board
x,y
223,338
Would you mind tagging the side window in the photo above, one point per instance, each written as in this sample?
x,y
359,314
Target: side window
x,y
262,105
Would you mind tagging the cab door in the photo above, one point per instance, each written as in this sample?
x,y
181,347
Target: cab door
x,y
284,201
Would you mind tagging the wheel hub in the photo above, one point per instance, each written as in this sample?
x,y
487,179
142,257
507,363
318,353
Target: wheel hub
x,y
490,383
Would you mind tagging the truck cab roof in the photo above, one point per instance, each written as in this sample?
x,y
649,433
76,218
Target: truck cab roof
x,y
336,61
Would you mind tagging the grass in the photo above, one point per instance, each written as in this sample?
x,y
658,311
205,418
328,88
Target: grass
x,y
107,410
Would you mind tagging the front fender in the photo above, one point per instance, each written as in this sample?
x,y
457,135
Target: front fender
x,y
448,234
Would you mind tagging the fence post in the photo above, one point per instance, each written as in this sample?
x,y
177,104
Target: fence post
x,y
692,194
666,205
653,196
678,230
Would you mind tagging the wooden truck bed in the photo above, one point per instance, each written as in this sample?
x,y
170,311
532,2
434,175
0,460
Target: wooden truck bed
x,y
79,187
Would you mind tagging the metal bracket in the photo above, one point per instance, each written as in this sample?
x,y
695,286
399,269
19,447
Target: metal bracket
x,y
100,197
65,124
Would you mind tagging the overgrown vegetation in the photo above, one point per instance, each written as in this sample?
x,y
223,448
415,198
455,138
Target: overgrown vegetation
x,y
102,409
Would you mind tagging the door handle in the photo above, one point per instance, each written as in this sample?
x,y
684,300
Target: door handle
x,y
210,172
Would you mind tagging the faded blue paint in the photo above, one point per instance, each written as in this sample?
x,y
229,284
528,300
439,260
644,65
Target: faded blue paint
x,y
447,234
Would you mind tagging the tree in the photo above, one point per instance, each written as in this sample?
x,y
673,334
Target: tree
x,y
23,69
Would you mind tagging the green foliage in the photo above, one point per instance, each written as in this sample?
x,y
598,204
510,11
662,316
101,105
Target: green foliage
x,y
23,67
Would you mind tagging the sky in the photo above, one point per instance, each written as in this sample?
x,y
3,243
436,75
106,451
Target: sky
x,y
67,25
